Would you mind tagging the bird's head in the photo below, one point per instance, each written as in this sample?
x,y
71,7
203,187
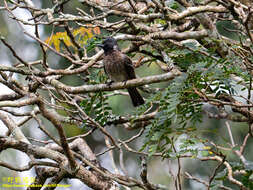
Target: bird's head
x,y
109,44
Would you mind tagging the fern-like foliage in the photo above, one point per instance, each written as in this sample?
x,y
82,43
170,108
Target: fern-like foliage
x,y
96,105
180,105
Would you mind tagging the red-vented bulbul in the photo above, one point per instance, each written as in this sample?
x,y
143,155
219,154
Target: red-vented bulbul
x,y
119,68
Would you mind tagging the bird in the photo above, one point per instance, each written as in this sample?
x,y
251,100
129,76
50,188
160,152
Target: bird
x,y
119,67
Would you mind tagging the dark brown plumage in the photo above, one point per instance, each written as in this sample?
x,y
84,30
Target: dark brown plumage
x,y
119,68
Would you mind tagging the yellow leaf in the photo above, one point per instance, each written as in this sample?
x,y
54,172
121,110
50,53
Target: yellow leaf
x,y
84,34
56,43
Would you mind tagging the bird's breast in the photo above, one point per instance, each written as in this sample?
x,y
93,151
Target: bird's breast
x,y
115,67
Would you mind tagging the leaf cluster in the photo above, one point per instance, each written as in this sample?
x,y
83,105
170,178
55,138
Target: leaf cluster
x,y
180,105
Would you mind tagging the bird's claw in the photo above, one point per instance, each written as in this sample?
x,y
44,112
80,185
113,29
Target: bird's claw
x,y
109,83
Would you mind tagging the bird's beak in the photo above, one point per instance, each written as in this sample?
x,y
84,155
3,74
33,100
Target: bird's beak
x,y
100,45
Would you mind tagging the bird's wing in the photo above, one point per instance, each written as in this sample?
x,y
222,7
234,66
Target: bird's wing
x,y
129,67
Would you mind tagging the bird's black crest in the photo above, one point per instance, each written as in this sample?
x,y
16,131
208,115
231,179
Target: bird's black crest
x,y
109,44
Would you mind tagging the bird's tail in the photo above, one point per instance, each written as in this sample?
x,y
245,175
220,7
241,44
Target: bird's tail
x,y
135,97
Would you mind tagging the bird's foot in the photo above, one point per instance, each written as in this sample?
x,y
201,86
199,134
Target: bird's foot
x,y
109,83
125,81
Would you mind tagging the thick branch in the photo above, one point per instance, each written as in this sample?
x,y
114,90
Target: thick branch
x,y
37,151
14,129
194,10
115,86
47,114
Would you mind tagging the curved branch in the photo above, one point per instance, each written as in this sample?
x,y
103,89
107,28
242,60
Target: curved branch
x,y
47,114
230,171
